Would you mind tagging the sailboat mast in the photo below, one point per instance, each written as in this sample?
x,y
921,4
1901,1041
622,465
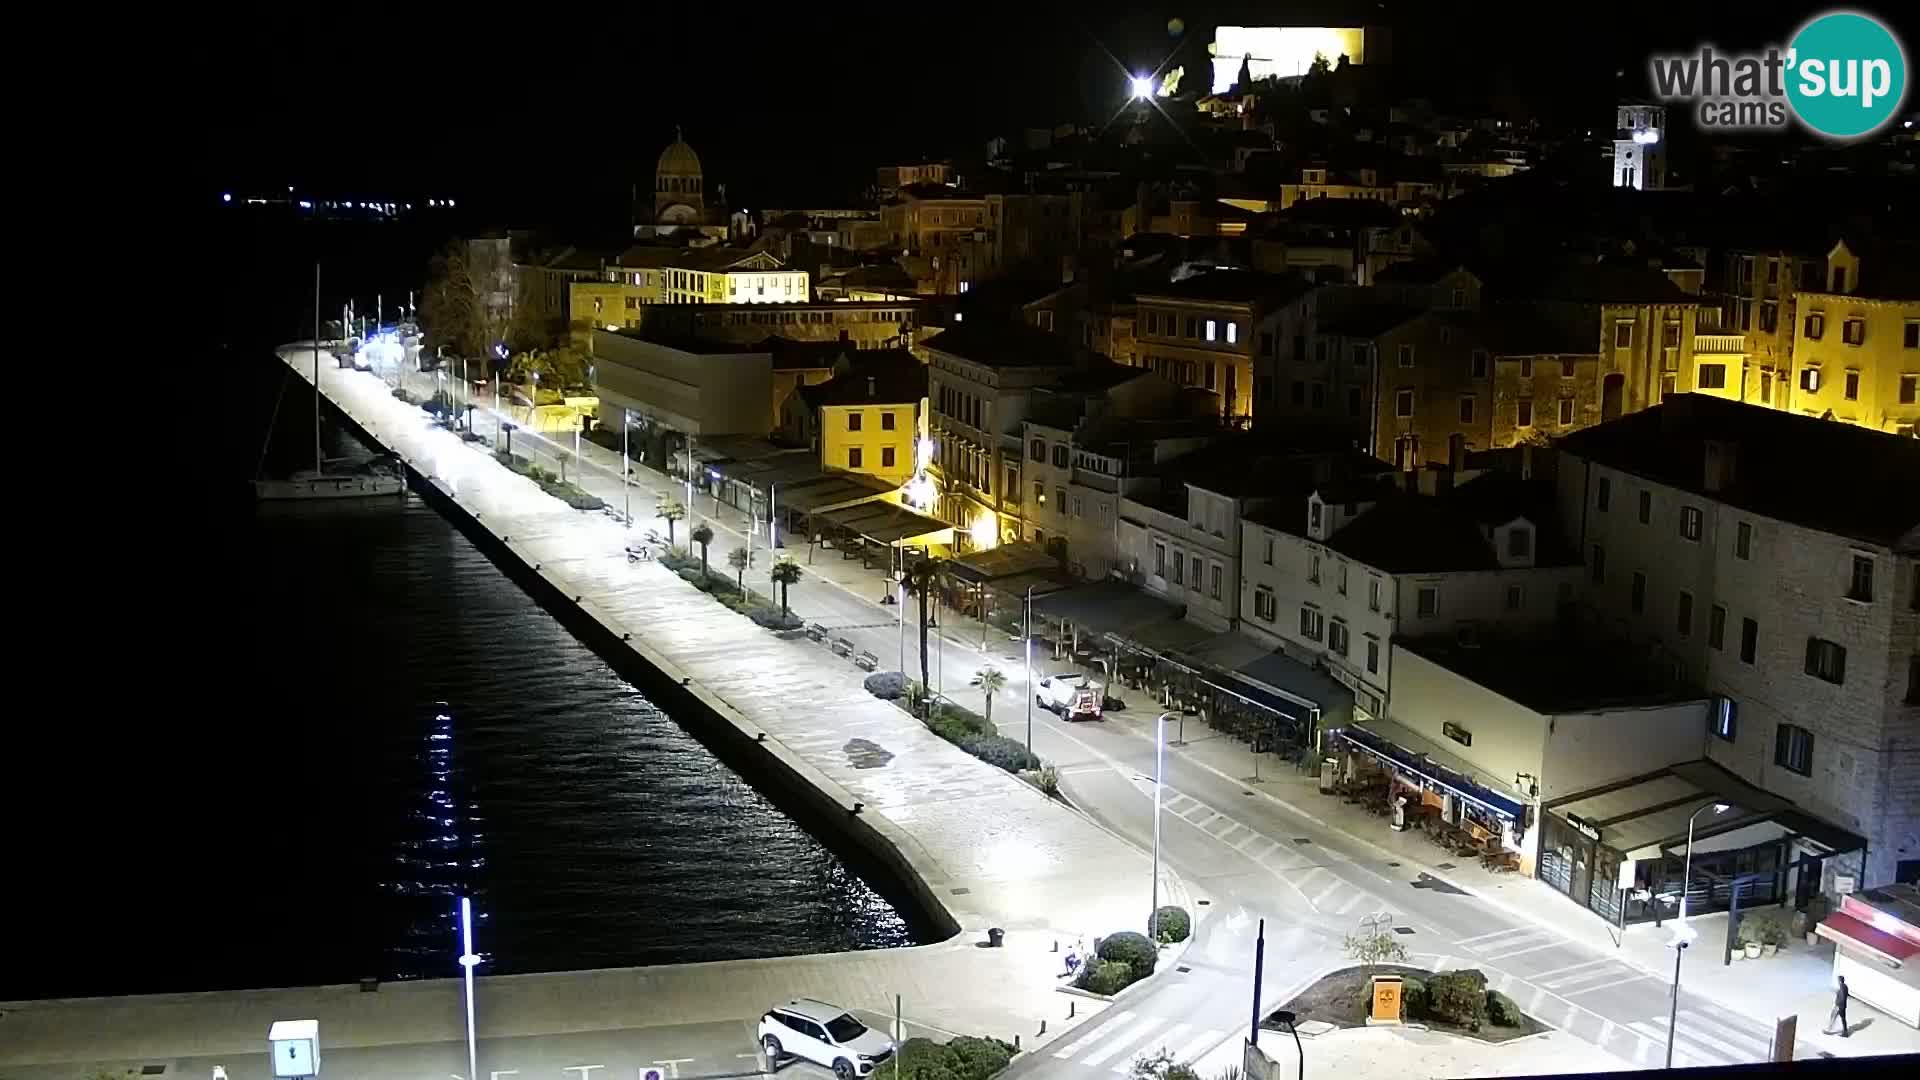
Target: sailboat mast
x,y
316,369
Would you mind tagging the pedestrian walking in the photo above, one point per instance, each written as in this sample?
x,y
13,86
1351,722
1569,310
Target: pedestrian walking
x,y
1840,995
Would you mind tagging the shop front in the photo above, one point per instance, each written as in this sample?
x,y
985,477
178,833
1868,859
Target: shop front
x,y
1621,850
1425,788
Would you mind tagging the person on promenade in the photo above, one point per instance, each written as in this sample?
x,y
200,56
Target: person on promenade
x,y
1839,1008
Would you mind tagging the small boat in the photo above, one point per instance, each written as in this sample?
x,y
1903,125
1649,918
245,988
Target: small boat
x,y
382,477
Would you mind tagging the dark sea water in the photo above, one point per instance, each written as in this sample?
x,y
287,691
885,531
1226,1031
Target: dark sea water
x,y
280,741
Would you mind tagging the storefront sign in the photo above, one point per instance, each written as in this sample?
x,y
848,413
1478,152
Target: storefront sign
x,y
1591,832
1457,733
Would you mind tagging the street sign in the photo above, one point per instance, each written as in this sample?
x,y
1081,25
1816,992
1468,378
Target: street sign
x,y
295,1047
1784,1030
653,1074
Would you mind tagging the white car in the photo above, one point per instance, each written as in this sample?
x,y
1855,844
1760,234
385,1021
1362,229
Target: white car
x,y
823,1034
1056,692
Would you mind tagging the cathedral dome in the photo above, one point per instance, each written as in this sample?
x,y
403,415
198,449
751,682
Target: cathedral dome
x,y
678,159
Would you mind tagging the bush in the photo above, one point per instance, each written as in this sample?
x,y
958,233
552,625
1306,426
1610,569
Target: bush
x,y
692,575
980,1057
1046,778
1458,997
772,619
997,750
1502,1011
1413,998
1108,977
886,685
1171,924
924,1059
966,718
1131,949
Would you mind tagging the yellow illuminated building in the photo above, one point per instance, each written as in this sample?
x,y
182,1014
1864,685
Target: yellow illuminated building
x,y
650,275
870,418
1856,348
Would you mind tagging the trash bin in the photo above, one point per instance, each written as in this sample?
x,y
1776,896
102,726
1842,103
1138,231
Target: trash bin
x,y
1329,772
994,937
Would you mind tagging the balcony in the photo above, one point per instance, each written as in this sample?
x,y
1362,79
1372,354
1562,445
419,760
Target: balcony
x,y
1095,480
1719,344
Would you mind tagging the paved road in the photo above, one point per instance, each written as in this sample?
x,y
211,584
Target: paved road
x,y
1249,857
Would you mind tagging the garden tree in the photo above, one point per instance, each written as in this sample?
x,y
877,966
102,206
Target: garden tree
x,y
785,573
921,579
991,683
557,368
462,306
670,511
738,558
702,534
1374,947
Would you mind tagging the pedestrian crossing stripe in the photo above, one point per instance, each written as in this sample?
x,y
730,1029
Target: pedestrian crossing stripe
x,y
1125,1064
1132,1036
1087,1040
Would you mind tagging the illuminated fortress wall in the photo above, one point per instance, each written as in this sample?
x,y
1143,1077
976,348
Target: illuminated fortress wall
x,y
1281,51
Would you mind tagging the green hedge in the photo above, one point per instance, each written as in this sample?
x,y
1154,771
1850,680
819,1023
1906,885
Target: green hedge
x,y
965,1058
1502,1011
1008,754
1124,959
550,482
1171,924
1106,977
1458,997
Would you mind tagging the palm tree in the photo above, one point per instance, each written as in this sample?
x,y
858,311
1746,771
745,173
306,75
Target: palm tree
x,y
702,534
671,511
737,558
785,573
921,578
991,683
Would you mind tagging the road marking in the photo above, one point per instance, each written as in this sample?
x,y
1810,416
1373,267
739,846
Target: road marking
x,y
1198,1045
1658,1036
1543,976
1228,831
1620,979
1122,1042
1523,952
1328,891
1088,1039
1242,846
1125,1064
1468,941
1757,1044
1689,1034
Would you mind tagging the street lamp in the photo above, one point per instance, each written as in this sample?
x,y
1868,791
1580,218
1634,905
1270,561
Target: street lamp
x,y
1159,761
1142,86
1028,635
1288,1019
1683,932
468,959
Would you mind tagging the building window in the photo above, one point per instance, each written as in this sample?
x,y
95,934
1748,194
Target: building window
x,y
1526,367
1810,379
1060,457
1039,493
1402,403
1519,543
1213,581
1060,501
1749,640
1312,624
1646,507
1193,326
886,420
1160,560
1623,335
1603,493
1337,638
1078,507
1852,386
1815,325
1267,552
1566,410
1909,387
1466,409
1793,749
1373,594
1195,584
1233,333
1179,568
1743,541
1406,356
1212,329
1713,377
886,457
1599,565
1853,331
1690,523
1910,334
853,421
853,457
1263,604
1826,660
1373,657
1723,718
1427,601
1340,583
1683,615
1717,627
1479,369
1516,597
1860,583
1566,367
1638,596
1313,569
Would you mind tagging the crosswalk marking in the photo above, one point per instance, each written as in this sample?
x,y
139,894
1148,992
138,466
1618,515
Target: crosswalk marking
x,y
1087,1040
1681,1051
1252,838
1691,1031
1468,941
1198,1045
1525,951
1756,1045
1125,1064
1123,1041
1549,977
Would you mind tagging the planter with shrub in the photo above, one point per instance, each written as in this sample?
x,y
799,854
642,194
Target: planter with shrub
x,y
1171,924
1125,953
965,1057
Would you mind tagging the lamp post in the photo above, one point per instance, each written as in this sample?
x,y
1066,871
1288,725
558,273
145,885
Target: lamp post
x,y
773,517
1288,1019
468,959
1683,932
1159,762
1028,636
626,469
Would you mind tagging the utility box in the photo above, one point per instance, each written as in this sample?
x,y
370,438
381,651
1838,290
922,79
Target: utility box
x,y
295,1047
1386,1000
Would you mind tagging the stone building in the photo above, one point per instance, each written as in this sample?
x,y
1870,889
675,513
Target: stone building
x,y
1770,558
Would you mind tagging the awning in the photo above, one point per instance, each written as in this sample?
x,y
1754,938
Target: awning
x,y
1107,607
887,523
1849,932
1646,816
980,567
1401,749
830,492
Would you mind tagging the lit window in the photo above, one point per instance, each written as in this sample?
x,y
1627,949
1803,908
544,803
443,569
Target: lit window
x,y
1233,333
1211,329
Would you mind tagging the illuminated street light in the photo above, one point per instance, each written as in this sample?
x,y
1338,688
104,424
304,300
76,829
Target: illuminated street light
x,y
1159,760
468,959
1683,932
1142,87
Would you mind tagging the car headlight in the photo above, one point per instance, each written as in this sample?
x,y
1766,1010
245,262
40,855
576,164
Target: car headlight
x,y
865,1057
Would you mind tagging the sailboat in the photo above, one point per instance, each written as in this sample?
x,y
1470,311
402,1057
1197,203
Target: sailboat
x,y
318,483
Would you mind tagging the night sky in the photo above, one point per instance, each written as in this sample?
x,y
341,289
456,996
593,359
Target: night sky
x,y
546,121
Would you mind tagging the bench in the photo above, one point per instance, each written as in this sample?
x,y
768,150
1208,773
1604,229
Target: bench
x,y
842,647
816,631
866,661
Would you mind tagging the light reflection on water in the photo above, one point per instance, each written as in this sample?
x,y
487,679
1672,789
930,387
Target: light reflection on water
x,y
467,743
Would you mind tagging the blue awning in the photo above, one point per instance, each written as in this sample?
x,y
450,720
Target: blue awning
x,y
1421,763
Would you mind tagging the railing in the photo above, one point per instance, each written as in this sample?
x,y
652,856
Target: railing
x,y
1719,343
1096,481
